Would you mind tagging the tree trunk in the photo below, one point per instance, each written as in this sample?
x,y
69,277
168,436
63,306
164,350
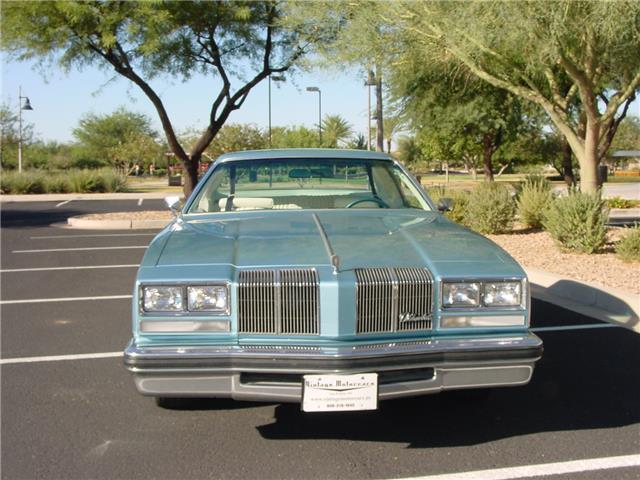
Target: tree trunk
x,y
379,120
190,174
589,181
567,167
487,156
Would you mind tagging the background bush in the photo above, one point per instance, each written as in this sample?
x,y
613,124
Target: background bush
x,y
459,197
78,181
533,200
628,248
490,209
618,202
577,221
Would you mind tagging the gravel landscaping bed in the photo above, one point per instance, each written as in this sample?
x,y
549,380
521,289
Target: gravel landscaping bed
x,y
532,249
537,250
142,215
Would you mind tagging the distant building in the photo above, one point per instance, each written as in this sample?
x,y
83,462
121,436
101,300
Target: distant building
x,y
626,159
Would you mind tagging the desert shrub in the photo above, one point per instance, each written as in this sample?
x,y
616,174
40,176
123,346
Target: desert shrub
x,y
114,182
491,209
57,183
577,221
79,181
23,183
628,248
618,202
533,200
459,197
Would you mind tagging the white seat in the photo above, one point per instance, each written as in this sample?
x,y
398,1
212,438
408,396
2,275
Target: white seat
x,y
249,203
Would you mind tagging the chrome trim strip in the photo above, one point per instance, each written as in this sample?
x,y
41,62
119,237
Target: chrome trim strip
x,y
149,326
469,321
333,258
448,345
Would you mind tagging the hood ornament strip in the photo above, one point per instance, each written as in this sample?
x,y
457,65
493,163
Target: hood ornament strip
x,y
334,259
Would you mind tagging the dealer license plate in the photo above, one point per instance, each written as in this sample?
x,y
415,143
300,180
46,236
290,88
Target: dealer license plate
x,y
329,393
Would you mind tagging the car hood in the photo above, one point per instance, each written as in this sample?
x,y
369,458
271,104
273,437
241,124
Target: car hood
x,y
360,238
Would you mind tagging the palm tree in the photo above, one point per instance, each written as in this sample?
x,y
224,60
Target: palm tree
x,y
409,150
335,131
392,125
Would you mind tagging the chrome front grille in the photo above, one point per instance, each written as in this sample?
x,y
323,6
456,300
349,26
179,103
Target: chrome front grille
x,y
279,302
393,299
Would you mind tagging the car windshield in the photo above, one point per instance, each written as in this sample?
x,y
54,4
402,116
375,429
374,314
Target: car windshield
x,y
296,184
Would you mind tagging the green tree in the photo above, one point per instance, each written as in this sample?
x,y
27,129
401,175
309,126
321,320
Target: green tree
x,y
237,42
392,125
336,131
234,136
120,138
9,134
294,137
354,33
463,117
409,151
628,135
534,50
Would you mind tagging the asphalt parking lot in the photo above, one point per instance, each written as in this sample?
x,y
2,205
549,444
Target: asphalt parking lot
x,y
79,416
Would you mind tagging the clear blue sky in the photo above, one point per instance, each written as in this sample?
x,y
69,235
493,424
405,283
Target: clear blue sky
x,y
59,99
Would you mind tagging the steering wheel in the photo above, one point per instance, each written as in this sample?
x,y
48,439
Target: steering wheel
x,y
381,203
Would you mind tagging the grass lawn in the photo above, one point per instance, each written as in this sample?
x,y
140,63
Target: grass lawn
x,y
151,184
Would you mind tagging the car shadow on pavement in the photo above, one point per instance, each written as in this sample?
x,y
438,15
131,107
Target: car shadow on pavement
x,y
586,380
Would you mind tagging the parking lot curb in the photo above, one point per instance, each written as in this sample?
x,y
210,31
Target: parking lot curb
x,y
596,301
61,197
126,224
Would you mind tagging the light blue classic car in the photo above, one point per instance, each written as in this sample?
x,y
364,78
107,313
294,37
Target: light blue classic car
x,y
325,277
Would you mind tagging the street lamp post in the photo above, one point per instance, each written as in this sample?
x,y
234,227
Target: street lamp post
x,y
275,78
369,82
21,106
316,89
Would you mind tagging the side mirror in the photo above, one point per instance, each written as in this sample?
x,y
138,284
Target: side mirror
x,y
173,203
445,204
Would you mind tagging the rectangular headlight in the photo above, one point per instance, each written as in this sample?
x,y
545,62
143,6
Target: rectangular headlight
x,y
502,294
158,298
208,298
460,295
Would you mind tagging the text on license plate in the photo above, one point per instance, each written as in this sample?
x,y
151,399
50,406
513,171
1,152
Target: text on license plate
x,y
326,393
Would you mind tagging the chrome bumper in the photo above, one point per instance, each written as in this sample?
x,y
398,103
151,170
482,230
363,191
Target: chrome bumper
x,y
271,373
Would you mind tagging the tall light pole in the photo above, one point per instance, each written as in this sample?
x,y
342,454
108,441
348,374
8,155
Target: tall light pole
x,y
316,89
275,78
21,106
369,82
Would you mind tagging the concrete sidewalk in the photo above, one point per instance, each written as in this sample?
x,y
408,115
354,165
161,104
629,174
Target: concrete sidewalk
x,y
597,301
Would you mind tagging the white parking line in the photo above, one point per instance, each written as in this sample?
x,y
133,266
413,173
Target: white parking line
x,y
541,470
82,267
78,249
57,358
588,326
140,201
62,203
53,237
64,299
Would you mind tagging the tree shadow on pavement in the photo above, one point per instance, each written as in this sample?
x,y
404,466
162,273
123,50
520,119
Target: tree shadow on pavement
x,y
12,217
